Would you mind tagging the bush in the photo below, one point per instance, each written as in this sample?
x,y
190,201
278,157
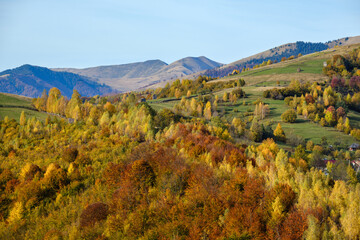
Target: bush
x,y
29,172
55,177
295,140
239,93
94,213
142,174
356,133
289,116
70,154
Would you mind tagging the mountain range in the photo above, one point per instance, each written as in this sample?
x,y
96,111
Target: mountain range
x,y
31,80
132,76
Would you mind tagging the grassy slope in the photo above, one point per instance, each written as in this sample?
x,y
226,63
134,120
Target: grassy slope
x,y
266,77
13,105
310,65
305,128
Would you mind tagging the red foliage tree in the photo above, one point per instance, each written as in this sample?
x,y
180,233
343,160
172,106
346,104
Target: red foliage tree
x,y
93,213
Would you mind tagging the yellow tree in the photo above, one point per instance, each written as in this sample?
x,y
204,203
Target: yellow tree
x,y
347,127
61,106
177,93
199,109
225,96
74,105
22,118
51,103
313,231
188,94
207,111
109,107
105,119
351,217
279,133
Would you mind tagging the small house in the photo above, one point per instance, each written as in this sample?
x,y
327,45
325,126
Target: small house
x,y
354,147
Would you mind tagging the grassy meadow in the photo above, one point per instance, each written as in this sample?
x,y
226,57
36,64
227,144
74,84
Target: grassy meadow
x,y
13,105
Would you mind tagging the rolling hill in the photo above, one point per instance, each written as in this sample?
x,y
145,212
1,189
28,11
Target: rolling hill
x,y
30,81
12,106
137,75
277,53
310,66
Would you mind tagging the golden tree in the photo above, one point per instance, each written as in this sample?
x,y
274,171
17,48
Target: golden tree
x,y
279,133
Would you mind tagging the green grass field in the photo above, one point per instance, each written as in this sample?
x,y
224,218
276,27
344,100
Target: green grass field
x,y
12,106
302,127
14,100
306,66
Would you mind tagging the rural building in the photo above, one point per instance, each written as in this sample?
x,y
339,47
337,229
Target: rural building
x,y
354,147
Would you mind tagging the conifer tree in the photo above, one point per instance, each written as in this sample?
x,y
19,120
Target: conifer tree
x,y
207,111
22,118
279,133
347,127
225,96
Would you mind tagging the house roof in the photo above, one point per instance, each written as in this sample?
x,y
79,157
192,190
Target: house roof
x,y
355,145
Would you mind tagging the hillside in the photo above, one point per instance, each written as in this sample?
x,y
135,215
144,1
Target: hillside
x,y
136,75
310,66
277,53
12,106
131,70
30,81
214,159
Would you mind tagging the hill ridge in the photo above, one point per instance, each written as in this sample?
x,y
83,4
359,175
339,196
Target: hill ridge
x,y
278,52
30,81
133,76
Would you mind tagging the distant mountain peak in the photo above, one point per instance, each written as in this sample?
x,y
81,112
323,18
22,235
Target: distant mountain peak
x,y
132,76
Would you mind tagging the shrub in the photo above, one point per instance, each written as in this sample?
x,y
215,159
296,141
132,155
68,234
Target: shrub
x,y
356,133
289,116
309,145
29,172
70,154
295,140
142,174
239,93
94,213
55,177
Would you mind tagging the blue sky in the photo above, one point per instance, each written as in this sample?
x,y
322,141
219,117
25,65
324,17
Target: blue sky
x,y
84,33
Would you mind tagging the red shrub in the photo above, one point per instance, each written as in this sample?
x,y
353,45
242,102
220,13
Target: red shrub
x,y
94,213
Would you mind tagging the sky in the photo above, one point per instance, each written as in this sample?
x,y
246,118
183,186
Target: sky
x,y
87,33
